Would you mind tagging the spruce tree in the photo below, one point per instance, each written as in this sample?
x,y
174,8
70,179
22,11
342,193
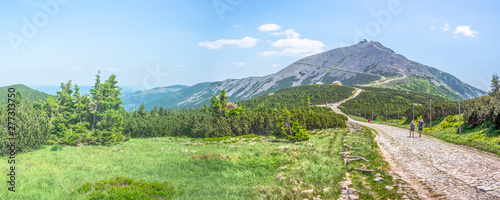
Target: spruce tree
x,y
495,85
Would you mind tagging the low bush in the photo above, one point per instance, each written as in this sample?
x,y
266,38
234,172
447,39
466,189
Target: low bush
x,y
56,148
218,139
32,128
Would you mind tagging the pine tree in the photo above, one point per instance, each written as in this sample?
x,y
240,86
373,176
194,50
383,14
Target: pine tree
x,y
495,85
223,98
215,105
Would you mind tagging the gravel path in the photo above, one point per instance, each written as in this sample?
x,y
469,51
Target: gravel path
x,y
437,169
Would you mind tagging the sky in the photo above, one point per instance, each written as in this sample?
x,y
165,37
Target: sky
x,y
153,43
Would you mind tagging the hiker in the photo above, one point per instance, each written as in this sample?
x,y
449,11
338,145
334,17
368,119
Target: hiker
x,y
369,120
420,127
412,128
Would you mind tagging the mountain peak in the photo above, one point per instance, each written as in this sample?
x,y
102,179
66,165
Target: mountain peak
x,y
364,64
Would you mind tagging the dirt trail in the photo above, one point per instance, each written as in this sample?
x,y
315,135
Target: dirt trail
x,y
384,80
436,169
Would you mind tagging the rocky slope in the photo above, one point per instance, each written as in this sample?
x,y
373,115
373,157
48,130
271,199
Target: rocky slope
x,y
358,64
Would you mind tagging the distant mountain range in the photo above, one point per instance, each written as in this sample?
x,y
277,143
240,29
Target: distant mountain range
x,y
52,89
368,64
27,93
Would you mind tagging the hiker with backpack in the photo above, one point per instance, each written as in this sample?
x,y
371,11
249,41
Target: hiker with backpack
x,y
412,128
420,127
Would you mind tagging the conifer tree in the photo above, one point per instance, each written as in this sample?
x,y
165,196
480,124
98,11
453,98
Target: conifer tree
x,y
495,85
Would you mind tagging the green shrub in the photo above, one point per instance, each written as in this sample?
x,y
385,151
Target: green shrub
x,y
127,188
299,133
218,139
32,128
249,136
292,130
56,148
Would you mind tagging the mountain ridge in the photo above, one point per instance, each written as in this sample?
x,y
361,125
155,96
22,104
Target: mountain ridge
x,y
359,64
27,93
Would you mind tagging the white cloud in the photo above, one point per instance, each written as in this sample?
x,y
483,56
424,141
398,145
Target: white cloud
x,y
147,57
75,68
239,64
446,27
181,65
432,28
465,30
275,65
246,42
114,69
295,47
289,33
237,26
269,27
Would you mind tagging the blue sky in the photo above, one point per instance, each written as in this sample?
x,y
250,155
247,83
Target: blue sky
x,y
155,43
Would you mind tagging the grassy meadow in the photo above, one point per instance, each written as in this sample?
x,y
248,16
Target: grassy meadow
x,y
233,168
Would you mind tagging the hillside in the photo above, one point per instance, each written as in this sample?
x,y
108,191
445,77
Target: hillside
x,y
133,100
384,100
28,93
295,97
359,64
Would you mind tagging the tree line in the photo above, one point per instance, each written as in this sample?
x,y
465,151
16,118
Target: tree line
x,y
72,118
476,111
384,103
68,118
219,119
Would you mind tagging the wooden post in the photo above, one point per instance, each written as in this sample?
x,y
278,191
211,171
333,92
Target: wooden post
x,y
430,112
459,122
386,114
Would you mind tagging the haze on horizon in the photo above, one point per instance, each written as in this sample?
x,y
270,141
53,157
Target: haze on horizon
x,y
161,43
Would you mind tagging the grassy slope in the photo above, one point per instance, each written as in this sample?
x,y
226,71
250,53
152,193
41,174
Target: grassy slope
x,y
246,169
481,137
28,93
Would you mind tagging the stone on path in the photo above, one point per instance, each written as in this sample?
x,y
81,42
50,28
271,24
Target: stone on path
x,y
308,191
378,179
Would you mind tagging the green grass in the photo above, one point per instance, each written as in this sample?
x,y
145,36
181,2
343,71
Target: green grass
x,y
363,144
237,168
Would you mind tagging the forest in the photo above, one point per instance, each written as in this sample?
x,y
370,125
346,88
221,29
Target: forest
x,y
70,118
296,97
386,103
